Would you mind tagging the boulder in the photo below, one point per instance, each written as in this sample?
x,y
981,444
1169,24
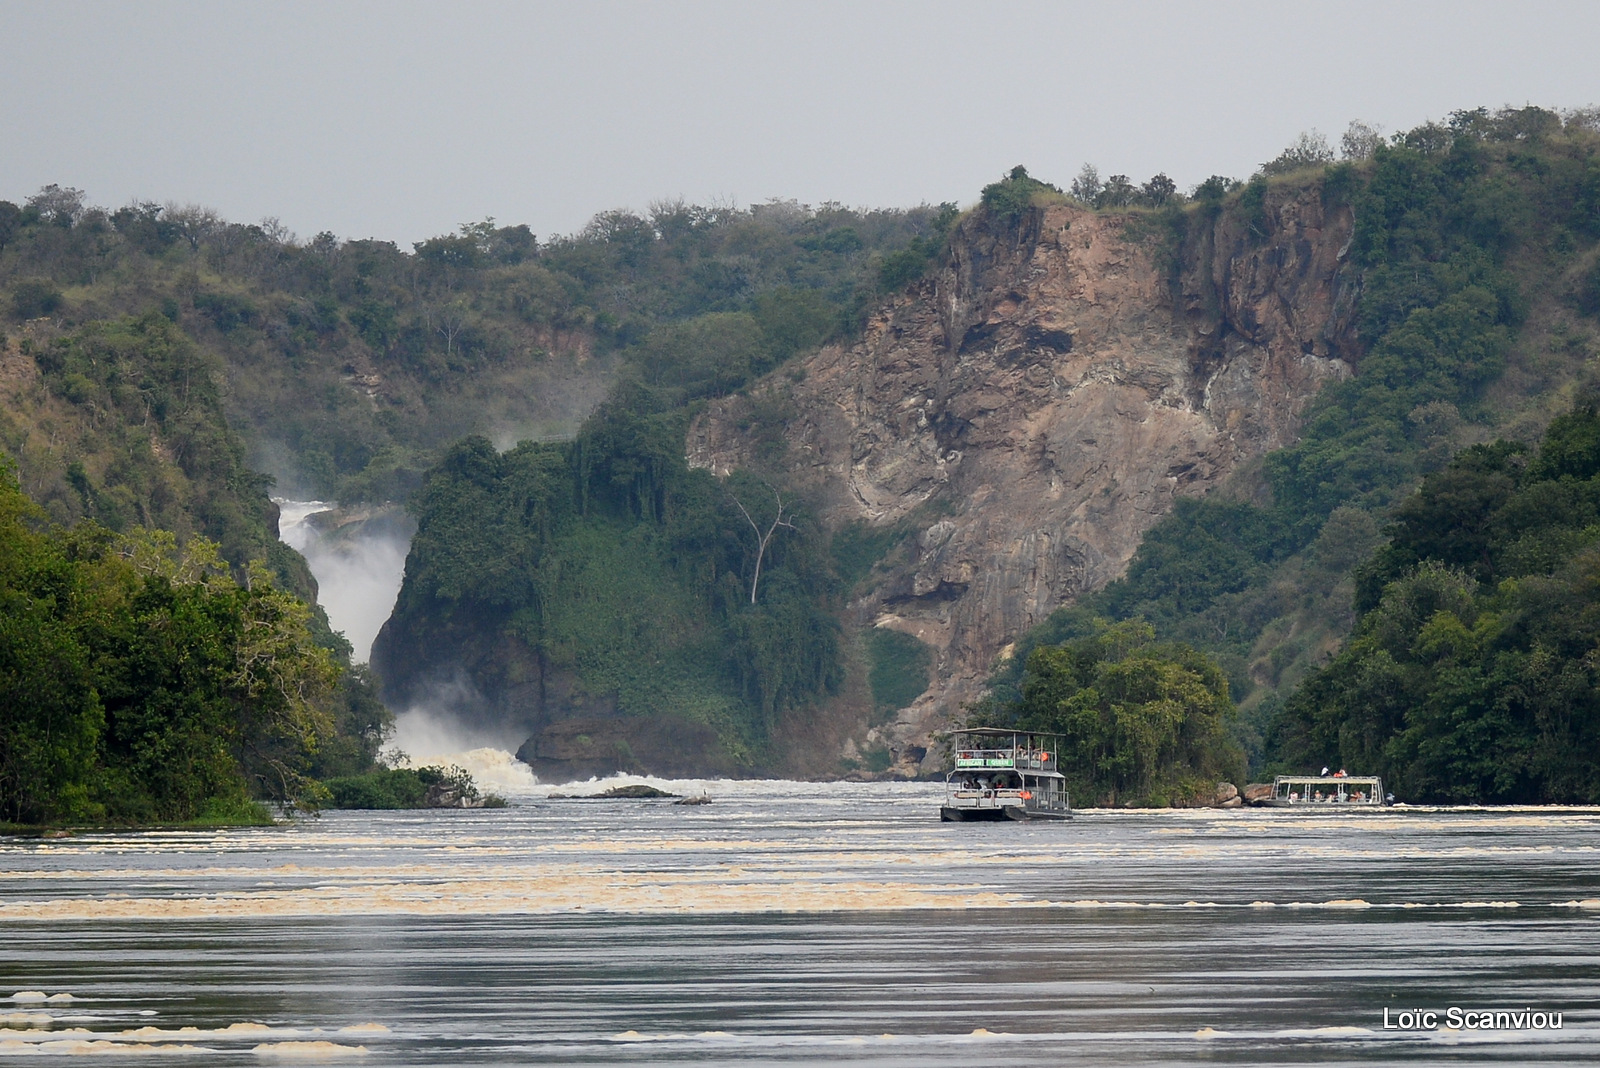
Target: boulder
x,y
1226,792
1257,791
637,790
1232,802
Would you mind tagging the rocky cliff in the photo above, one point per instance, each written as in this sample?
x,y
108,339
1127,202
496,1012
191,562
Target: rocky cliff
x,y
1028,410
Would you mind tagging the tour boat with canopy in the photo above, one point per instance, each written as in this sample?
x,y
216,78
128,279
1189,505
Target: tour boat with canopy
x,y
1339,792
1002,774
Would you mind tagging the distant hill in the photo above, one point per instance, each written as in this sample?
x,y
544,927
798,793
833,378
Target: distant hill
x,y
985,429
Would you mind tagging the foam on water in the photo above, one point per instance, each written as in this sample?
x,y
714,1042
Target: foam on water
x,y
798,923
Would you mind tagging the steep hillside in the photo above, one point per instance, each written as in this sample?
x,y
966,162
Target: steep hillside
x,y
1008,428
345,366
1475,243
792,487
1015,422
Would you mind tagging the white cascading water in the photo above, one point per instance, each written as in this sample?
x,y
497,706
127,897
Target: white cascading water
x,y
358,578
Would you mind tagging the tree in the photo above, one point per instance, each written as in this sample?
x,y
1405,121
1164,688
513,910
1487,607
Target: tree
x,y
1158,190
762,540
1086,186
50,713
1310,149
193,223
1118,192
1360,141
1139,719
449,320
10,222
60,205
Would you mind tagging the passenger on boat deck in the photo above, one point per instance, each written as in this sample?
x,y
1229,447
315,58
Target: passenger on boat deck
x,y
1324,769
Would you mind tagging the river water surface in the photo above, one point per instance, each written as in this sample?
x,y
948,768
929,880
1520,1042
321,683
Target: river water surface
x,y
794,923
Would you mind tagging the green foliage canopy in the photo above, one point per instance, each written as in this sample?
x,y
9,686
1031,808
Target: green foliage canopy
x,y
609,557
1141,721
1472,673
141,683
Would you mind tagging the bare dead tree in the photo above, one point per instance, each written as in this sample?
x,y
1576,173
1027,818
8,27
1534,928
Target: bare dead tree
x,y
449,320
762,540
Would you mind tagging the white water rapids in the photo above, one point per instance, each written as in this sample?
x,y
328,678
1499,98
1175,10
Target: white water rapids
x,y
793,923
805,924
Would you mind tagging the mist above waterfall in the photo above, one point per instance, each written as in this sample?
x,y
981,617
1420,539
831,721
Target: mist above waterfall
x,y
358,565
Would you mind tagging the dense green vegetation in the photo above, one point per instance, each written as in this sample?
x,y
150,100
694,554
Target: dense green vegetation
x,y
1472,674
352,363
140,682
1452,224
1141,721
394,788
125,426
608,558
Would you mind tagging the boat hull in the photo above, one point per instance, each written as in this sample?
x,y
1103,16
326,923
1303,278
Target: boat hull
x,y
1017,813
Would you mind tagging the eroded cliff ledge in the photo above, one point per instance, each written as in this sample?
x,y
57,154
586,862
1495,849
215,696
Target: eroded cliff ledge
x,y
1040,400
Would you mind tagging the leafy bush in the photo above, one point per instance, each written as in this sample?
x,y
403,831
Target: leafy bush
x,y
1140,720
384,788
1015,195
1308,150
34,298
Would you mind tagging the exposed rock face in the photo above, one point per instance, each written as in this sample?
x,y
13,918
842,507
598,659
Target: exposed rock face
x,y
1048,395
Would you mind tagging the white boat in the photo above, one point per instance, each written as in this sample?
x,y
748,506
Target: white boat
x,y
1004,774
1327,793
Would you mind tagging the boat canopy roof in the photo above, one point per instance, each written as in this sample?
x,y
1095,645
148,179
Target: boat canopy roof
x,y
1331,780
1003,732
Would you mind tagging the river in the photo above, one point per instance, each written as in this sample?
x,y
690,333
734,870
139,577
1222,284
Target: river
x,y
794,923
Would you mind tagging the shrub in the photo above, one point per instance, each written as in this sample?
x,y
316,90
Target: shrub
x,y
34,298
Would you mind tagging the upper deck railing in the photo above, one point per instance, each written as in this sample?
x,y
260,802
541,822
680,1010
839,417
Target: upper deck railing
x,y
1021,758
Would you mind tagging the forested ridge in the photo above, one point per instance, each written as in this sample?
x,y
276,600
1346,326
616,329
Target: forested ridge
x,y
156,353
347,365
158,358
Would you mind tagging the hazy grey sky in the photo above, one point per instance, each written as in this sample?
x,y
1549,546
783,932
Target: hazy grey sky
x,y
403,120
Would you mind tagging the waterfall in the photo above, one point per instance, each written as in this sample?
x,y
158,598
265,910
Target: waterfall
x,y
358,558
